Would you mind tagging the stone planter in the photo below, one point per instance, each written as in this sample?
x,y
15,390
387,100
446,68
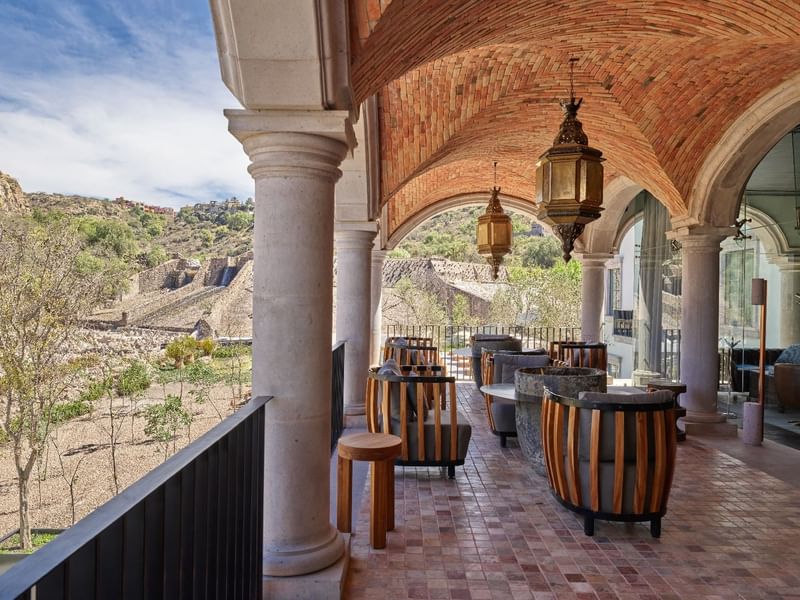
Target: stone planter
x,y
529,385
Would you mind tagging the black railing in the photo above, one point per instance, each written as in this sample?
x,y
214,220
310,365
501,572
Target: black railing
x,y
448,338
623,323
337,394
191,528
671,354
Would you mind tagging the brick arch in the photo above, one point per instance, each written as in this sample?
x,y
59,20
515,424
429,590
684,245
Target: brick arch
x,y
653,130
412,221
455,179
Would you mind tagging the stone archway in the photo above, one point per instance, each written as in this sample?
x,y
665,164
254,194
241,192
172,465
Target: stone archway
x,y
462,200
718,187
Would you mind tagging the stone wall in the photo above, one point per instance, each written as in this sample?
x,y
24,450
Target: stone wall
x,y
158,277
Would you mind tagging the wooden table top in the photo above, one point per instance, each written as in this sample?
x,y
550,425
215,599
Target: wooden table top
x,y
369,446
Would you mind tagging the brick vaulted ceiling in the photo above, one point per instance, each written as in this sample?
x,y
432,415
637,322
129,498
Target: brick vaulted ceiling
x,y
464,82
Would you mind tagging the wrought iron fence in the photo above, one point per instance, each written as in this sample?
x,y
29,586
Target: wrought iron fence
x,y
337,394
191,528
449,338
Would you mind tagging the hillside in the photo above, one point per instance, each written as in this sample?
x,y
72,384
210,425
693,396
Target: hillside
x,y
12,198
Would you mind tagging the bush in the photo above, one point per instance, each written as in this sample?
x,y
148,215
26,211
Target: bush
x,y
181,350
66,411
231,351
206,346
162,421
134,380
156,256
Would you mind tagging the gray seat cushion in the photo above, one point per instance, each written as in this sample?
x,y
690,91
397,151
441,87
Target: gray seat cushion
x,y
505,365
791,355
464,433
505,416
390,368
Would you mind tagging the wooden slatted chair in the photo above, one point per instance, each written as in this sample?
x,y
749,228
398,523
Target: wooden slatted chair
x,y
610,457
394,404
405,354
498,366
593,355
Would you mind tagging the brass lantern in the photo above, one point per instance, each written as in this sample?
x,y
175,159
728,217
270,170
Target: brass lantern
x,y
569,178
494,231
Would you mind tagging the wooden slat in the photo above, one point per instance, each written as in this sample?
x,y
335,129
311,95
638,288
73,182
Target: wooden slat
x,y
404,420
572,456
547,436
437,419
386,405
672,447
453,421
594,461
619,460
660,471
558,451
420,422
640,487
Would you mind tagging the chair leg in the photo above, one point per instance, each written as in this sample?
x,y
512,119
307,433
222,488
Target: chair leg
x,y
390,495
379,501
451,471
502,441
344,495
588,525
655,527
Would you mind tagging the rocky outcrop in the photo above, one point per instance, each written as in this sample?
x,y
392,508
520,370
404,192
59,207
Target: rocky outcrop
x,y
12,198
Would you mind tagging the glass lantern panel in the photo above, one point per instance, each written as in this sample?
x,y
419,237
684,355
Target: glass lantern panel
x,y
542,180
483,234
591,181
501,234
563,180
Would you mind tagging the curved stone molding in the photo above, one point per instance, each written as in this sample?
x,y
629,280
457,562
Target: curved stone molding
x,y
719,184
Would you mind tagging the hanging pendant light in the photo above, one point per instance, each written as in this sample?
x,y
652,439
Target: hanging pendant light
x,y
494,230
569,177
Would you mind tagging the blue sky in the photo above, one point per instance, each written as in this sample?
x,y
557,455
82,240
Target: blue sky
x,y
116,98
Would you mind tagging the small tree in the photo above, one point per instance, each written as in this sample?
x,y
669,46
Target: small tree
x,y
44,293
202,377
131,384
163,421
69,477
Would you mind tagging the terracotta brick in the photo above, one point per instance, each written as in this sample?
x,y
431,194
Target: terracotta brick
x,y
464,82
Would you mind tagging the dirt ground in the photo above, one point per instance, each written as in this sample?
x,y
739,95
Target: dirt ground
x,y
84,444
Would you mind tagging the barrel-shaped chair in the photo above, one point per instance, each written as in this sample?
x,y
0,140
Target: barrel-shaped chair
x,y
610,456
419,406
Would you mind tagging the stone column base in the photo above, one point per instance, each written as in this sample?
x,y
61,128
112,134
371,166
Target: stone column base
x,y
327,584
711,427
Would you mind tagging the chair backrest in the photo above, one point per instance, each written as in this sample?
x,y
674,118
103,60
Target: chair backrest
x,y
593,355
621,437
385,390
556,348
411,355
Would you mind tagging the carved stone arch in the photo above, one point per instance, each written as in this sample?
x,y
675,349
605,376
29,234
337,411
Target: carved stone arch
x,y
601,236
473,199
718,187
769,233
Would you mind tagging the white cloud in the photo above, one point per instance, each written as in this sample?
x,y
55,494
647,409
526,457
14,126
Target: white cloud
x,y
146,125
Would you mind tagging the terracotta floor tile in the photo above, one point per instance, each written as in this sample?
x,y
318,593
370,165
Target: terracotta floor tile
x,y
731,532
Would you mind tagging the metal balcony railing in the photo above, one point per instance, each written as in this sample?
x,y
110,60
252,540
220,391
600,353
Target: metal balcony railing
x,y
191,528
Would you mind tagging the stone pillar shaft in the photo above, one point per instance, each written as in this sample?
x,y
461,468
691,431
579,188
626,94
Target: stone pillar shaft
x,y
376,305
789,317
700,326
353,311
294,177
592,295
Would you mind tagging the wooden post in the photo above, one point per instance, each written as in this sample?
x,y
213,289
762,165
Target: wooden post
x,y
759,298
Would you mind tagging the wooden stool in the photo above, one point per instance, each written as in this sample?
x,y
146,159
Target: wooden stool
x,y
677,388
381,450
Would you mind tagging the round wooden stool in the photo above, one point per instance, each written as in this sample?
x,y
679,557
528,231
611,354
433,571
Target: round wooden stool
x,y
381,449
677,388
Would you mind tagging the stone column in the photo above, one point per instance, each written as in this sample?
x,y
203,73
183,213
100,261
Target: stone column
x,y
593,291
353,310
700,326
789,317
294,177
376,304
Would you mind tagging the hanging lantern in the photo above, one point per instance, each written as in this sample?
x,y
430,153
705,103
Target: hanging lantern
x,y
494,231
569,178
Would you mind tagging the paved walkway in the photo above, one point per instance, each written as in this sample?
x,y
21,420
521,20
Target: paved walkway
x,y
732,531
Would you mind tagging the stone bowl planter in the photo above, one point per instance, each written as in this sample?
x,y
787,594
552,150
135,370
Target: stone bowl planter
x,y
529,384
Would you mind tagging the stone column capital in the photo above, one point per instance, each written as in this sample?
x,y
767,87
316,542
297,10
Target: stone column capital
x,y
293,143
594,260
379,256
785,262
700,238
353,239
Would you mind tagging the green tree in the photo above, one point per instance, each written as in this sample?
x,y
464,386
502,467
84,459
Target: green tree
x,y
43,296
460,313
239,220
420,307
156,256
164,420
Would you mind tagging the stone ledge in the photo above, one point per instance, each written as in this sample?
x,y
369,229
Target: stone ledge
x,y
327,584
720,429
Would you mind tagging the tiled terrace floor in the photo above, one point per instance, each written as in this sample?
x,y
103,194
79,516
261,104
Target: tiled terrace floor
x,y
495,532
